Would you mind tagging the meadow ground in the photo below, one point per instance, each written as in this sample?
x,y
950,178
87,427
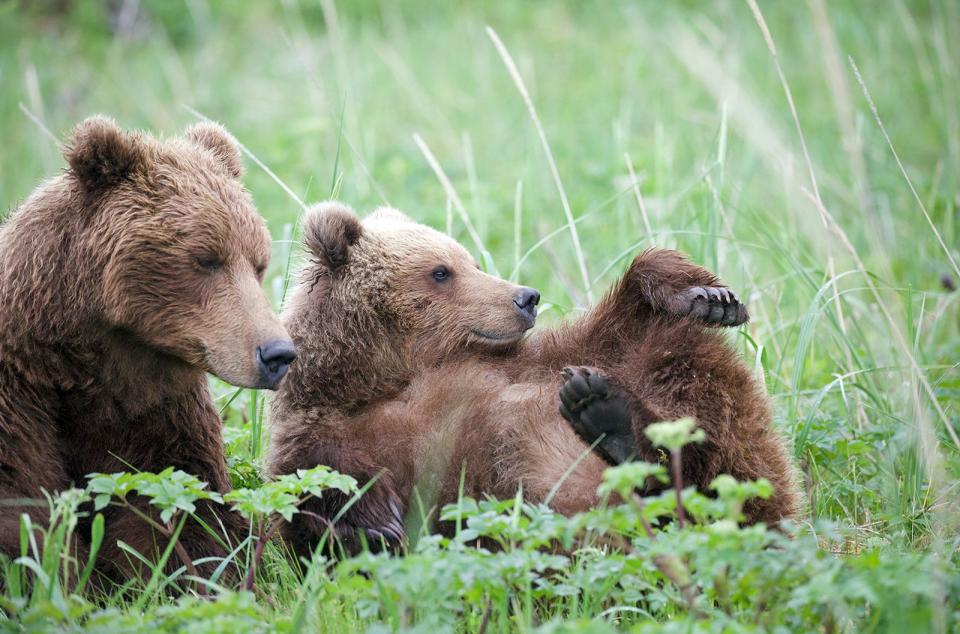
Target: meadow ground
x,y
808,152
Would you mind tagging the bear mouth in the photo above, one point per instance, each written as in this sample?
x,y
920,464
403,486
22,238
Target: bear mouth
x,y
499,337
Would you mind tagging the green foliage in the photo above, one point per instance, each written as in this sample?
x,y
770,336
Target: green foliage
x,y
516,566
170,490
281,496
675,435
243,467
623,478
36,580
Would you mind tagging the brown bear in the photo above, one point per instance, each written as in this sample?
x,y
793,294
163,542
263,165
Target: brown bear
x,y
414,370
122,282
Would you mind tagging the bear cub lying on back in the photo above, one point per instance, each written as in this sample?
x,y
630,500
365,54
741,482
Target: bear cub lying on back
x,y
413,366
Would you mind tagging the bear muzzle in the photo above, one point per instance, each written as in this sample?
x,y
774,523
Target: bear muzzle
x,y
525,302
273,361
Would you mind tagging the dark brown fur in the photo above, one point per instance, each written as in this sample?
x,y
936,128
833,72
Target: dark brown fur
x,y
378,392
109,320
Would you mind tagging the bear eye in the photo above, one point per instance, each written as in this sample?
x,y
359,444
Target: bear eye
x,y
209,262
440,274
260,270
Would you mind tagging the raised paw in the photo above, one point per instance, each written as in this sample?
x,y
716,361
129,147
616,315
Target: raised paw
x,y
594,408
713,305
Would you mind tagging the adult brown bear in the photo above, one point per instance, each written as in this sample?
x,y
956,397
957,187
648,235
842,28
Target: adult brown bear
x,y
413,363
122,281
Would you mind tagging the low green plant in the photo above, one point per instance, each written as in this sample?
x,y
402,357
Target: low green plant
x,y
506,565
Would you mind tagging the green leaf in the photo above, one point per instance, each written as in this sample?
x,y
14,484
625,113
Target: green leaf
x,y
624,479
170,490
283,495
675,435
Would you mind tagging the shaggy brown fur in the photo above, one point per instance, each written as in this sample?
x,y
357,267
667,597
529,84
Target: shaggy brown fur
x,y
392,378
122,282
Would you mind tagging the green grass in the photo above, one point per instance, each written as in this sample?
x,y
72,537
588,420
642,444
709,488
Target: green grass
x,y
837,227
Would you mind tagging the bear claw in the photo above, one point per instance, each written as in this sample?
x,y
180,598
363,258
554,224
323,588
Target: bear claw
x,y
390,535
597,410
376,521
714,305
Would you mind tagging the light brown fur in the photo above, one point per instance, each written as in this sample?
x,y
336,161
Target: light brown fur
x,y
122,281
391,382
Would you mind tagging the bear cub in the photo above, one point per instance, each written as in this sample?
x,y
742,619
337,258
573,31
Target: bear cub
x,y
415,371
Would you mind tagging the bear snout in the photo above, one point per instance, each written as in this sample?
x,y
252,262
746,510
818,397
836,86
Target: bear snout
x,y
525,302
273,360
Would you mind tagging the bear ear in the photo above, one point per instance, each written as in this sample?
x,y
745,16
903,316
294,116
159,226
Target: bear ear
x,y
215,138
100,154
391,214
329,230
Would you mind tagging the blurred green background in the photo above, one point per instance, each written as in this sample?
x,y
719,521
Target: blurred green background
x,y
687,95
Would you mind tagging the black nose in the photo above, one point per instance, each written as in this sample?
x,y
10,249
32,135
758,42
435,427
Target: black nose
x,y
525,301
274,357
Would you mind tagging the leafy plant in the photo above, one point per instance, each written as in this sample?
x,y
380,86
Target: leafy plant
x,y
277,501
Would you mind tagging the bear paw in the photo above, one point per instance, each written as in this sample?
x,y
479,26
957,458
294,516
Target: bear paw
x,y
597,410
713,305
374,521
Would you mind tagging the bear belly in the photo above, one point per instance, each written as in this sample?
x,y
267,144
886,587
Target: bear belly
x,y
470,421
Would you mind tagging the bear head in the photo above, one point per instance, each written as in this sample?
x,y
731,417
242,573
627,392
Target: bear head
x,y
415,278
179,248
